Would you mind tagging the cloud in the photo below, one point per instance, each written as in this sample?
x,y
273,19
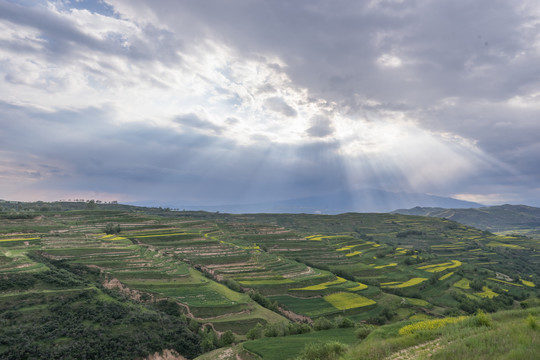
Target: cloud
x,y
433,96
279,105
320,127
194,122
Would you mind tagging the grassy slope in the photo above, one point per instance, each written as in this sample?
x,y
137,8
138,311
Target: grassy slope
x,y
509,337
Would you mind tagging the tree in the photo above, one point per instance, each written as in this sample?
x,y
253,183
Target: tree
x,y
477,284
111,229
255,333
91,205
227,338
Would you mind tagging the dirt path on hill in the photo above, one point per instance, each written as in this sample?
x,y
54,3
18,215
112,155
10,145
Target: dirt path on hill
x,y
414,352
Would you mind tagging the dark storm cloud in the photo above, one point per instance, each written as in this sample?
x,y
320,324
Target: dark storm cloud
x,y
480,49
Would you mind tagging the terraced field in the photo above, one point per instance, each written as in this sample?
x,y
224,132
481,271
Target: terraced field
x,y
233,272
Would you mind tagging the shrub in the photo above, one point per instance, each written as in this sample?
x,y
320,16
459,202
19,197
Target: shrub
x,y
326,351
343,322
233,285
263,301
531,322
273,330
255,332
364,330
482,319
227,338
295,328
110,229
323,323
477,284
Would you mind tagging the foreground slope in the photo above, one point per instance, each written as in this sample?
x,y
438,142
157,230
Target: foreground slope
x,y
511,334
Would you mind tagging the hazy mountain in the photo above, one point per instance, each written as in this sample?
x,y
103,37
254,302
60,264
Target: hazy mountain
x,y
493,218
364,200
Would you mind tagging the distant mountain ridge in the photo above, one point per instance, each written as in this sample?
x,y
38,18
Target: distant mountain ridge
x,y
363,200
502,218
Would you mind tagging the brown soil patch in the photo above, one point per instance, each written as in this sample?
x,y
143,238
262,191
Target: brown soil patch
x,y
294,316
22,266
114,283
165,355
308,271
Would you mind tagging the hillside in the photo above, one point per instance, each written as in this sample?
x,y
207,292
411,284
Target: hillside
x,y
517,219
197,281
513,334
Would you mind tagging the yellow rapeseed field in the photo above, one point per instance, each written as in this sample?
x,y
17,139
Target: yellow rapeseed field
x,y
383,266
446,276
359,287
462,284
487,293
411,282
344,301
527,283
348,247
505,282
440,267
158,235
323,286
429,325
20,239
389,283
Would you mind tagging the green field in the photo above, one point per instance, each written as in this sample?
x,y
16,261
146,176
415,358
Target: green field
x,y
290,346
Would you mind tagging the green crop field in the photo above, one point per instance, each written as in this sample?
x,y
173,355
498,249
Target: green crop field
x,y
290,346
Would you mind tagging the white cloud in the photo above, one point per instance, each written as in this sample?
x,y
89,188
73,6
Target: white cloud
x,y
388,60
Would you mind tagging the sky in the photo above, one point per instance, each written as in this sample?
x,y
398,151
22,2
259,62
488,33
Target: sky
x,y
244,101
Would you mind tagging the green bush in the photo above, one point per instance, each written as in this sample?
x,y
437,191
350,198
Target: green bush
x,y
323,323
343,322
255,333
531,322
331,350
364,330
482,319
227,338
111,229
296,328
273,330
